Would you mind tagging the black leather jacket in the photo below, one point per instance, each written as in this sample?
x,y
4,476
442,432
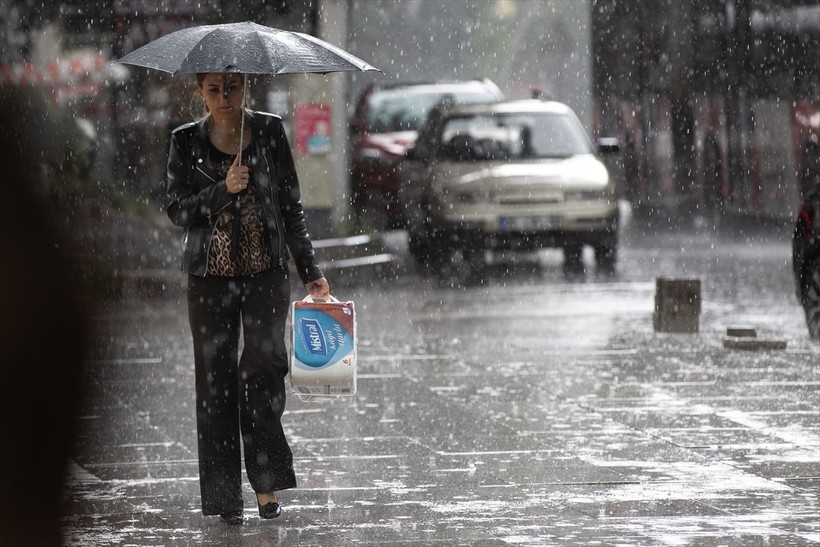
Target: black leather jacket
x,y
196,194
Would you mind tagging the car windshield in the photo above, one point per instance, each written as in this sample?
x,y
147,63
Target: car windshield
x,y
402,110
512,136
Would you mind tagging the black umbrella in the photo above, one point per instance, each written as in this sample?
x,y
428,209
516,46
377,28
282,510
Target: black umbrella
x,y
243,48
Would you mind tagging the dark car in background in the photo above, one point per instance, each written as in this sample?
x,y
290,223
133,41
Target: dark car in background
x,y
806,243
509,176
384,126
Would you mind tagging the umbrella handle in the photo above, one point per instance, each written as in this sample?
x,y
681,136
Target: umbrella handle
x,y
242,113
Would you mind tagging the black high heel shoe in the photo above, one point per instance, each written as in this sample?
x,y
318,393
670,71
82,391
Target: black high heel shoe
x,y
232,517
270,510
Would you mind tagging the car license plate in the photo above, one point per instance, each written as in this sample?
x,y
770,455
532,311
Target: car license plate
x,y
527,223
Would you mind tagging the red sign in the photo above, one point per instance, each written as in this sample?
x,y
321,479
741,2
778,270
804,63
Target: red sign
x,y
313,128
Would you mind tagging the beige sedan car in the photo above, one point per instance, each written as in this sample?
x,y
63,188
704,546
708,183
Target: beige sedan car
x,y
514,175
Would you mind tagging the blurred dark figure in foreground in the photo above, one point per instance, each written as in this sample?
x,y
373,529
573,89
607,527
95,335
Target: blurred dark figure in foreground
x,y
810,166
44,330
806,237
712,175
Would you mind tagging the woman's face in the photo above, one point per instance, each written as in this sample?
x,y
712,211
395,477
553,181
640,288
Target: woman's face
x,y
223,94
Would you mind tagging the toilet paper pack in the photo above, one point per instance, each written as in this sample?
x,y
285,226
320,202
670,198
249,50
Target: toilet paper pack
x,y
323,361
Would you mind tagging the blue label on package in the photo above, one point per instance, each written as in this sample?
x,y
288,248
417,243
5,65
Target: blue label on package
x,y
313,336
321,340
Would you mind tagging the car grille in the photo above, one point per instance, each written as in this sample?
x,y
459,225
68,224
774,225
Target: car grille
x,y
529,200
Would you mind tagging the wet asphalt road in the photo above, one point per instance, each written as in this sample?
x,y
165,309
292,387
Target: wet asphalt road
x,y
532,409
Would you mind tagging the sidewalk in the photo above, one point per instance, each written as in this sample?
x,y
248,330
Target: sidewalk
x,y
468,433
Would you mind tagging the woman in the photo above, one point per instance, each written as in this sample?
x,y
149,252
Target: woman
x,y
242,222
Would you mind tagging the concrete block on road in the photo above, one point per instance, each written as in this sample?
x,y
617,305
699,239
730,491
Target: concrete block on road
x,y
677,305
745,338
741,332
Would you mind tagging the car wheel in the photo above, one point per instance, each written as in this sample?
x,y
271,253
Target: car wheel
x,y
359,198
432,247
573,262
463,264
423,250
371,208
811,303
606,255
379,209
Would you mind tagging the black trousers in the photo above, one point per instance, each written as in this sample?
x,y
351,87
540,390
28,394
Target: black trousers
x,y
240,394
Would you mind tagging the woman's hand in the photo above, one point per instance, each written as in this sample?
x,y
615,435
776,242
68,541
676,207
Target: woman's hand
x,y
319,289
237,178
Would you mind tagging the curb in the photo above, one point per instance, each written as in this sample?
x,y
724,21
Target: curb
x,y
355,259
353,252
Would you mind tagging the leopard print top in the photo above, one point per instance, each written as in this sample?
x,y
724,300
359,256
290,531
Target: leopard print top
x,y
253,251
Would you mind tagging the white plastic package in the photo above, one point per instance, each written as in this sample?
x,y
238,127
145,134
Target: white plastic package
x,y
323,349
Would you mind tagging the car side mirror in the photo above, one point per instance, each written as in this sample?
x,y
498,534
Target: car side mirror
x,y
608,145
413,154
354,127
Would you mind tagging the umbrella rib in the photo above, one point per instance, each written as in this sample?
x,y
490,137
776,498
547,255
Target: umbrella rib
x,y
258,38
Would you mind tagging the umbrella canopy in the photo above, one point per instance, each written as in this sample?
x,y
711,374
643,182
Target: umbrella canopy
x,y
243,48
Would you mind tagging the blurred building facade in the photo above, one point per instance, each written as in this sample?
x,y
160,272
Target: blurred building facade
x,y
713,100
67,51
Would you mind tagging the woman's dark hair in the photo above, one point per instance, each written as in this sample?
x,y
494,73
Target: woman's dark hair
x,y
200,77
